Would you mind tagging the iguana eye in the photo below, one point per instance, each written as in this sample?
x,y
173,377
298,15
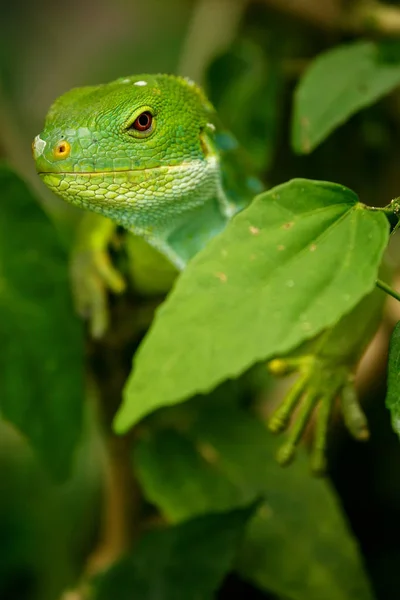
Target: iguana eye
x,y
143,122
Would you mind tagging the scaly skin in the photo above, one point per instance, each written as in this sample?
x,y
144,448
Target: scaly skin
x,y
175,185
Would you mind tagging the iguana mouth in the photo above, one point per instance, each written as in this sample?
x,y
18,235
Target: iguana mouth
x,y
182,165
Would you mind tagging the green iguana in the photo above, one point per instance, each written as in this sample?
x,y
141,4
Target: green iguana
x,y
150,153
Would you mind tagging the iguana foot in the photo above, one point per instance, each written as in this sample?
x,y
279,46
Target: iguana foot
x,y
318,385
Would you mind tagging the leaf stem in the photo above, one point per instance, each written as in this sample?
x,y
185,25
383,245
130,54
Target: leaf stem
x,y
386,288
392,212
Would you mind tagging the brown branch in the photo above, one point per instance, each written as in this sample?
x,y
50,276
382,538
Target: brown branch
x,y
121,506
370,16
363,16
324,14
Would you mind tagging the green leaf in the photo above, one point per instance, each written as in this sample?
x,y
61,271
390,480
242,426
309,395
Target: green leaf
x,y
287,267
339,83
393,382
36,561
186,562
298,545
41,386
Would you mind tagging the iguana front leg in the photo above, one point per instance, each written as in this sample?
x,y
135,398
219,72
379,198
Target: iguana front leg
x,y
92,272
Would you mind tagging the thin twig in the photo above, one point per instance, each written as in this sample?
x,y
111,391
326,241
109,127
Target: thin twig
x,y
386,288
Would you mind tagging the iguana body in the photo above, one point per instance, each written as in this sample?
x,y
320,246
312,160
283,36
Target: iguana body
x,y
150,153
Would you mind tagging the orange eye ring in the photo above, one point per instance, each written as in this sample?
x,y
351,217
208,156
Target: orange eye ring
x,y
62,149
143,122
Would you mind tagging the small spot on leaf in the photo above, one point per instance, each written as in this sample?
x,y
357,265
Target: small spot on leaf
x,y
222,277
254,230
306,145
288,225
208,452
265,511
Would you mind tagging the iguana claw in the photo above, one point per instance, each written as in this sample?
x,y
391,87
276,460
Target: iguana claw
x,y
318,385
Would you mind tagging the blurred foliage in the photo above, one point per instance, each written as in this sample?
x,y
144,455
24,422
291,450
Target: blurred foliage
x,y
339,83
41,369
45,528
309,539
215,457
186,562
244,78
393,392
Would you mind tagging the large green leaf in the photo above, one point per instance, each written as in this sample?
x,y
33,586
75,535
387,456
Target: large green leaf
x,y
339,83
41,387
298,545
186,562
393,382
285,268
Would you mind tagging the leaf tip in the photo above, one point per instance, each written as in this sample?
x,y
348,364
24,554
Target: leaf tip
x,y
396,424
120,424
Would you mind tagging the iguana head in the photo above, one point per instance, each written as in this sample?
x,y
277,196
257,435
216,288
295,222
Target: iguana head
x,y
134,149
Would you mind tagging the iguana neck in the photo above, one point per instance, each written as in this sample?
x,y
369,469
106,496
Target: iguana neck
x,y
200,217
190,232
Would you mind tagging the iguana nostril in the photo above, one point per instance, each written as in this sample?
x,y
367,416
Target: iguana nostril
x,y
62,149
